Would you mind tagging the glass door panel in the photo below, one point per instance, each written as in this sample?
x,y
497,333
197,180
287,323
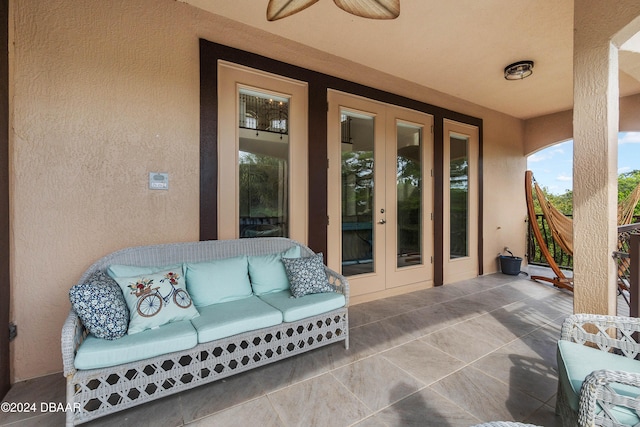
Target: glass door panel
x,y
461,206
358,198
262,155
409,170
263,169
459,196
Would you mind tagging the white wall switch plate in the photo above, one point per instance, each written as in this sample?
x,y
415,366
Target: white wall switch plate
x,y
158,181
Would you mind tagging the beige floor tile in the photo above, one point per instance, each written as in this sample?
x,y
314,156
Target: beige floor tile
x,y
167,409
222,394
485,397
257,412
528,364
545,416
426,409
33,393
423,361
376,337
321,401
470,306
372,421
471,339
377,382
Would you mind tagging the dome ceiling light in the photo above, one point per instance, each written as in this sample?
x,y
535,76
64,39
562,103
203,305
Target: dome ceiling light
x,y
372,9
518,70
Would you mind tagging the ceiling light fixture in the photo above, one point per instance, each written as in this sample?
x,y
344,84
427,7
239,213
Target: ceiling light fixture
x,y
518,70
373,9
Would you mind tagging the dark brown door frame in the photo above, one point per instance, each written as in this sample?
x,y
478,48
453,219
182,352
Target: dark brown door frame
x,y
318,85
5,296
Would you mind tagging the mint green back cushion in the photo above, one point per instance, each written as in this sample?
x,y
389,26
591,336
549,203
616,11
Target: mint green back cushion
x,y
218,321
121,270
267,272
576,361
217,281
97,353
294,309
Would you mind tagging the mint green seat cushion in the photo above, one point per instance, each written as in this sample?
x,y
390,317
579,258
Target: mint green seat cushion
x,y
267,272
576,361
219,280
97,353
234,317
309,305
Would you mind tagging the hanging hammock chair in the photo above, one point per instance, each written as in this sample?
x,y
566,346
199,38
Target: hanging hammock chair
x,y
561,228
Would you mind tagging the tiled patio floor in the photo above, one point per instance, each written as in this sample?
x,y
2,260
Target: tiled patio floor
x,y
471,352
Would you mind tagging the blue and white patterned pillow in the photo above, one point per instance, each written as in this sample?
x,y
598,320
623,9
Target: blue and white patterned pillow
x,y
306,275
100,305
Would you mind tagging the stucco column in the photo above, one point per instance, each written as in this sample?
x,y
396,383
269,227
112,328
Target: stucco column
x,y
598,24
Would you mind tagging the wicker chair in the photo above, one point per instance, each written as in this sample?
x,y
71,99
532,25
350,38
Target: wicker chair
x,y
604,348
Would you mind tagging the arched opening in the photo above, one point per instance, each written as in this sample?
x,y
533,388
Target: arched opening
x,y
552,168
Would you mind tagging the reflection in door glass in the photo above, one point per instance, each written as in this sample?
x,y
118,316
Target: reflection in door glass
x,y
459,196
357,193
263,164
409,194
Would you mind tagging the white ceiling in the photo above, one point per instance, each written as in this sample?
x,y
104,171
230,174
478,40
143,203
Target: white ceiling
x,y
458,47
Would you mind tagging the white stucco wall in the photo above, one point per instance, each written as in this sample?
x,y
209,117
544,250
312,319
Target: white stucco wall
x,y
104,93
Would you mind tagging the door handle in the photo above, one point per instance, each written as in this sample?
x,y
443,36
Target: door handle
x,y
382,221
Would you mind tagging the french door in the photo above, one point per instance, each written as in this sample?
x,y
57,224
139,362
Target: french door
x,y
380,194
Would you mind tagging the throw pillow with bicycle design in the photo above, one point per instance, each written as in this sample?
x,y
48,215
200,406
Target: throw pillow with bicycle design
x,y
150,300
156,299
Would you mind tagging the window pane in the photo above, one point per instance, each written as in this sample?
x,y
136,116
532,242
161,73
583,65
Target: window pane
x,y
409,194
459,196
263,165
357,193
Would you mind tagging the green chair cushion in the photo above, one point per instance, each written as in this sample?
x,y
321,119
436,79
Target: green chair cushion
x,y
576,361
217,281
234,317
97,353
294,309
267,272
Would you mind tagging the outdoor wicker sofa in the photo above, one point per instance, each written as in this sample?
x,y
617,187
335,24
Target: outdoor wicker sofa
x,y
93,393
598,374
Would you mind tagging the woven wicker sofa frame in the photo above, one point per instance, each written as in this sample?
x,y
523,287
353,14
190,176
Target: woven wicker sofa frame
x,y
99,392
608,334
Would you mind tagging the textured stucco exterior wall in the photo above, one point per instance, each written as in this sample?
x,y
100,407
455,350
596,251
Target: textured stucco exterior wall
x,y
504,196
540,132
103,95
106,92
595,148
629,114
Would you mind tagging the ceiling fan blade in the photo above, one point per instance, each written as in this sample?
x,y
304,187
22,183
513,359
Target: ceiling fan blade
x,y
373,9
278,9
